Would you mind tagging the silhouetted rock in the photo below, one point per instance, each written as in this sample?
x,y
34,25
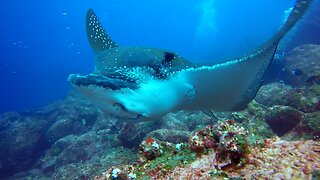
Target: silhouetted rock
x,y
99,160
76,116
131,134
74,149
308,128
27,135
8,119
22,142
283,119
32,174
303,66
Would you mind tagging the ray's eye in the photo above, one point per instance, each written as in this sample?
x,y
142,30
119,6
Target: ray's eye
x,y
297,72
168,57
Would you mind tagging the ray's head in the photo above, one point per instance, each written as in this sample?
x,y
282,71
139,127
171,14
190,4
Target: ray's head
x,y
130,82
133,93
110,92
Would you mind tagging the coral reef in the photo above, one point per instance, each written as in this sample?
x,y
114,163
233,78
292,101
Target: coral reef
x,y
276,160
228,139
151,148
67,138
71,139
158,158
223,152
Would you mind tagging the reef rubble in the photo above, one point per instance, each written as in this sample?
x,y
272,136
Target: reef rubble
x,y
220,152
278,159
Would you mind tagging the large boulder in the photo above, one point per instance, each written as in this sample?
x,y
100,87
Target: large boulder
x,y
302,65
308,128
22,142
186,121
274,94
84,156
27,135
131,134
283,119
172,136
306,99
74,149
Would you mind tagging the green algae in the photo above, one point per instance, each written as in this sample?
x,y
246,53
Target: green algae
x,y
169,159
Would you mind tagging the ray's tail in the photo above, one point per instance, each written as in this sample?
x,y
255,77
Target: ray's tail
x,y
250,73
300,8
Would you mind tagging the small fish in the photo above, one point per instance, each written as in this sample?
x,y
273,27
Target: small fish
x,y
147,83
297,72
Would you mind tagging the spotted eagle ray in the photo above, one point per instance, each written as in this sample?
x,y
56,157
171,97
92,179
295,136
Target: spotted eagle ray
x,y
147,83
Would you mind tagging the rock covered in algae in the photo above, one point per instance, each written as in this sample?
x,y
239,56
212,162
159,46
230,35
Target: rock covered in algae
x,y
275,159
305,99
172,136
278,159
227,139
158,158
151,148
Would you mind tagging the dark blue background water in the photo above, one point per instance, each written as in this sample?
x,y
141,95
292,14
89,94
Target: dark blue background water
x,y
44,41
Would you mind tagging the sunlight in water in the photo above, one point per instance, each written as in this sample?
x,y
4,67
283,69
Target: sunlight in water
x,y
207,24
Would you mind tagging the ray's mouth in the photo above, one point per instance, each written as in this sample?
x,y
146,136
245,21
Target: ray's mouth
x,y
112,82
108,83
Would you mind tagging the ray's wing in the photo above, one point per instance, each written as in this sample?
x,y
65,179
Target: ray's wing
x,y
232,85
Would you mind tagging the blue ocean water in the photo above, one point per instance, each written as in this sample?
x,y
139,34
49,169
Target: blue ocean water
x,y
42,42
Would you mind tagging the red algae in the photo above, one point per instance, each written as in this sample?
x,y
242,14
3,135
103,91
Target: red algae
x,y
223,152
149,140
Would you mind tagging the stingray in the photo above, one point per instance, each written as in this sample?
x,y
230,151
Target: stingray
x,y
147,83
